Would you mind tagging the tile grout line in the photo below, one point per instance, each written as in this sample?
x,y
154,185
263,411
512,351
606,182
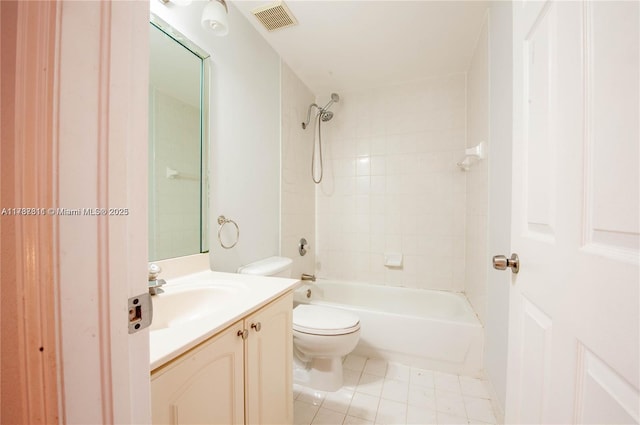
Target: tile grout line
x,y
358,374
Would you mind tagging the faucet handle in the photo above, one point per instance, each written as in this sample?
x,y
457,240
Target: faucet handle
x,y
154,271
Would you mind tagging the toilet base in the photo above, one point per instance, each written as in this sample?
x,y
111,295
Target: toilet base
x,y
324,374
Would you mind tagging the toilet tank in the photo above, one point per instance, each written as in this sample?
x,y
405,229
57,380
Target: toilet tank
x,y
272,266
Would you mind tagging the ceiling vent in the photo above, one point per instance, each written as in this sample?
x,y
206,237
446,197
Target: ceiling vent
x,y
275,16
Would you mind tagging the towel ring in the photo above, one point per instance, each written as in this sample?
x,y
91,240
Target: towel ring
x,y
222,220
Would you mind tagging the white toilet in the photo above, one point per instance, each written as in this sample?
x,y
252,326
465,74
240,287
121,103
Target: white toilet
x,y
272,266
321,335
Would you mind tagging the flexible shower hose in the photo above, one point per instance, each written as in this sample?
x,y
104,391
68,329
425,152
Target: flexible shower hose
x,y
313,155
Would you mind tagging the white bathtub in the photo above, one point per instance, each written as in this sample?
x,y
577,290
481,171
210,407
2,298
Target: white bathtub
x,y
421,328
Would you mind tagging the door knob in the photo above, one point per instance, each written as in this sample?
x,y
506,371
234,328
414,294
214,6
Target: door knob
x,y
256,326
500,262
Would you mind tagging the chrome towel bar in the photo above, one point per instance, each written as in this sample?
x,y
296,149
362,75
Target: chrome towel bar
x,y
222,220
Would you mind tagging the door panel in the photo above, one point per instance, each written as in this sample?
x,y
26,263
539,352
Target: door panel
x,y
611,225
574,307
538,107
535,351
603,395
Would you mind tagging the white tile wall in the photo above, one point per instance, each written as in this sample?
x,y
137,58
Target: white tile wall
x,y
391,185
477,258
297,188
174,227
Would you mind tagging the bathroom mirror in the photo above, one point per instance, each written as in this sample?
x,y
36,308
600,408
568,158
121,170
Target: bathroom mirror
x,y
178,144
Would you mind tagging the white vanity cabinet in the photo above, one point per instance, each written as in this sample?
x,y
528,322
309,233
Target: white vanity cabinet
x,y
204,385
231,380
269,364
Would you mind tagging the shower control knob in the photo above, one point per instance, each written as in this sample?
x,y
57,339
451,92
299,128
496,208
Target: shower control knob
x,y
500,262
302,246
256,326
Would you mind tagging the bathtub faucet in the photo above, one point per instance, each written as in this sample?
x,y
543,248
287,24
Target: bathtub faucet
x,y
309,277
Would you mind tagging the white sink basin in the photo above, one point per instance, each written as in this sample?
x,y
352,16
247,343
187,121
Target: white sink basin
x,y
177,306
197,306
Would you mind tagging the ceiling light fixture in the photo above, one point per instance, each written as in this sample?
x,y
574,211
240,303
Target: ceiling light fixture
x,y
214,17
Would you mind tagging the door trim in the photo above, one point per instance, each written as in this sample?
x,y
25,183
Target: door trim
x,y
30,338
74,135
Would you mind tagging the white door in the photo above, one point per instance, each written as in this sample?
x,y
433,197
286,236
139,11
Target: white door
x,y
100,161
574,322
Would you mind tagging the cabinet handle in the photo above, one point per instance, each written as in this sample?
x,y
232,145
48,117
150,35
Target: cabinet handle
x,y
243,333
256,326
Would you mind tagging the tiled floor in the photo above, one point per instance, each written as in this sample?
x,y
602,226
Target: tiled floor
x,y
377,392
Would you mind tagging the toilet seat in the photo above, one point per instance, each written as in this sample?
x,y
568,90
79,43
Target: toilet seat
x,y
320,320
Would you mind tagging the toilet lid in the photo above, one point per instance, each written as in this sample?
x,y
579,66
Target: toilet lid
x,y
319,320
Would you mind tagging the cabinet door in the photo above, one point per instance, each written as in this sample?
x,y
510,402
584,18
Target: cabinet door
x,y
203,386
269,362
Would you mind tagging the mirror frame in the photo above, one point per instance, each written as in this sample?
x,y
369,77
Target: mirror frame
x,y
205,84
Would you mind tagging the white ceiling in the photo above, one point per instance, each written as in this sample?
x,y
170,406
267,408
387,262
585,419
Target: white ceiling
x,y
351,45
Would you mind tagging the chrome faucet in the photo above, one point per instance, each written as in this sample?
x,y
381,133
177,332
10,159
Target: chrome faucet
x,y
308,277
155,284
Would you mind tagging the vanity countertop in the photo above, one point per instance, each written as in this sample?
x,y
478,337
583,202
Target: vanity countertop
x,y
206,303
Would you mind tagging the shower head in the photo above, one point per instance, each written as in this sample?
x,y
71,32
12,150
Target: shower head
x,y
326,116
323,112
334,98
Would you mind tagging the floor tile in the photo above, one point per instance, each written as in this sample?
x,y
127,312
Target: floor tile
x,y
296,390
473,387
363,406
352,420
376,367
303,413
354,362
370,384
479,409
447,382
391,412
338,401
444,418
328,417
398,372
422,397
418,415
311,396
421,378
350,379
377,393
451,403
395,390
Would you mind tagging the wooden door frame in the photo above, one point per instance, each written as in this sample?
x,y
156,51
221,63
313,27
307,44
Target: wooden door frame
x,y
29,347
74,135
